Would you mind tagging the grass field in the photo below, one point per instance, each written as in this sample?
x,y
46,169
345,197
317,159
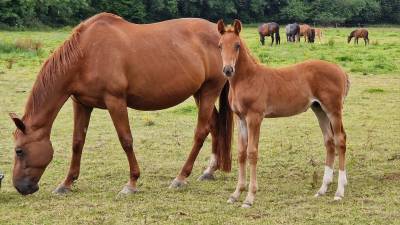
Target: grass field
x,y
291,149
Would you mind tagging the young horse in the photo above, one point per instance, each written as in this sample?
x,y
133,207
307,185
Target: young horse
x,y
292,32
258,92
359,33
318,34
269,29
112,64
304,30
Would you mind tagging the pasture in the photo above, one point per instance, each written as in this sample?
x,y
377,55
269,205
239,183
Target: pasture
x,y
291,160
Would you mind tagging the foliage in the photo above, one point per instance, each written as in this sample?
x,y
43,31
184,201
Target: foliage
x,y
21,13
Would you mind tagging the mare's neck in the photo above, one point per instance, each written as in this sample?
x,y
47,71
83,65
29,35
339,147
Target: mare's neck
x,y
44,103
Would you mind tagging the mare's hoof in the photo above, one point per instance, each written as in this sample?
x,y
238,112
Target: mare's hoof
x,y
206,176
231,200
127,190
177,184
62,190
338,197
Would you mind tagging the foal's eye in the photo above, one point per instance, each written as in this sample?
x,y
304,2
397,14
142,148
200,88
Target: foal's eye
x,y
220,46
19,152
237,46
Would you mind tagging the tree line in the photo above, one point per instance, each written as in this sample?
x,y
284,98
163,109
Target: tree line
x,y
31,13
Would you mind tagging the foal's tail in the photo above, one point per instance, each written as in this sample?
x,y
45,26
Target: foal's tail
x,y
225,130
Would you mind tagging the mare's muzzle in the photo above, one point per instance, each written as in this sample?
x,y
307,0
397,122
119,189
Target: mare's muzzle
x,y
228,71
26,187
1,177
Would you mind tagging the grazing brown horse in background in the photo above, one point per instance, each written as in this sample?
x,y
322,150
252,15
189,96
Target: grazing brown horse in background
x,y
269,29
359,33
304,31
112,64
257,92
311,35
318,34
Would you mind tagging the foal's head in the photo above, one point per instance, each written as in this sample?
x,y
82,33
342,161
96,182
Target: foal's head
x,y
230,45
33,152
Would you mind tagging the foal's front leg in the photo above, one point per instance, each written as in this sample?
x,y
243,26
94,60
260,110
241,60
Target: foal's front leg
x,y
242,144
253,128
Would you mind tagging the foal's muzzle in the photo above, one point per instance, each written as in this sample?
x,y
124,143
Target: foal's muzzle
x,y
228,71
26,187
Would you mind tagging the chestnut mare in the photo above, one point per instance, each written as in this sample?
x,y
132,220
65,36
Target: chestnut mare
x,y
257,92
112,64
304,31
359,33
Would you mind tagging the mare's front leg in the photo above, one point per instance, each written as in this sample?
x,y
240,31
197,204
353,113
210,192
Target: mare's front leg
x,y
253,127
242,145
206,99
272,39
119,114
81,122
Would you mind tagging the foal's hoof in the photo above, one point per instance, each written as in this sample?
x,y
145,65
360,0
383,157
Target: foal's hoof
x,y
128,190
177,184
338,196
62,190
246,205
206,176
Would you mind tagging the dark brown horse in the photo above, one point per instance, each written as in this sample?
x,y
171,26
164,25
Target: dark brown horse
x,y
257,92
359,33
112,64
269,29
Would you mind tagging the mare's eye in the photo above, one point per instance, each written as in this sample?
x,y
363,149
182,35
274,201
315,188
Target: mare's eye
x,y
220,46
19,152
237,46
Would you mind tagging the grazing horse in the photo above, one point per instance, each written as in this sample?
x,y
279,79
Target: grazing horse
x,y
269,29
311,35
292,32
112,64
359,33
318,34
257,92
304,31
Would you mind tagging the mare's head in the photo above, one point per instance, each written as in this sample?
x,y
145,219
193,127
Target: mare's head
x,y
230,45
33,152
350,36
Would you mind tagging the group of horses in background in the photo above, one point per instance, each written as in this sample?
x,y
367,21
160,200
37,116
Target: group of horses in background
x,y
295,31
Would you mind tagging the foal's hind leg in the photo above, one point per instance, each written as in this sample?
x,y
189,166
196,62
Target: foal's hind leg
x,y
81,123
242,156
339,136
326,129
206,97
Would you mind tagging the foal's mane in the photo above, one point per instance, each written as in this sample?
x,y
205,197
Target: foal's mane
x,y
53,68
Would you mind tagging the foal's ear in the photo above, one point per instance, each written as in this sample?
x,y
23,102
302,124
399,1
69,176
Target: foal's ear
x,y
221,26
237,25
18,122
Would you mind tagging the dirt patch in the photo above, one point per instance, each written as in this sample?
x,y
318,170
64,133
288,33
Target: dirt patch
x,y
391,176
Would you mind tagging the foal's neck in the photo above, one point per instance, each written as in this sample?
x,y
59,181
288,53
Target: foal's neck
x,y
45,101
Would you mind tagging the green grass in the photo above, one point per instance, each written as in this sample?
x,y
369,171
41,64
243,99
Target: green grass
x,y
291,150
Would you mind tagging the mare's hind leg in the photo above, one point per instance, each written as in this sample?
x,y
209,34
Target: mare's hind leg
x,y
339,137
326,129
81,123
208,173
117,108
207,96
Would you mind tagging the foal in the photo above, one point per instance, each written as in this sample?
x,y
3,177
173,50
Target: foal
x,y
258,92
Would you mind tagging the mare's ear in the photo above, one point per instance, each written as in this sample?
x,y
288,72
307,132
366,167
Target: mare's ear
x,y
18,122
221,26
237,25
